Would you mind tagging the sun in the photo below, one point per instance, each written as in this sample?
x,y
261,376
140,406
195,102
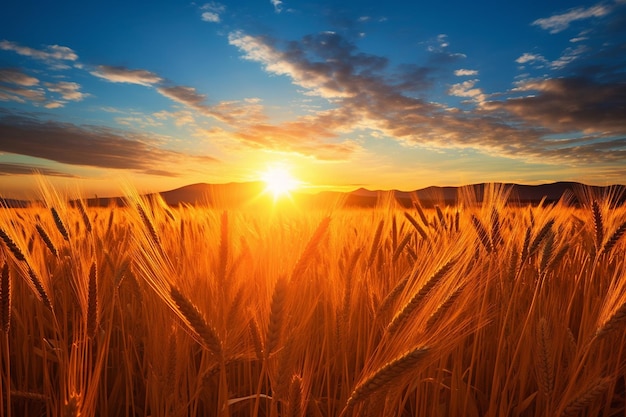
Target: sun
x,y
279,181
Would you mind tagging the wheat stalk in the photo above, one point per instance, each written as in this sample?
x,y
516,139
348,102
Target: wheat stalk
x,y
208,335
496,236
386,375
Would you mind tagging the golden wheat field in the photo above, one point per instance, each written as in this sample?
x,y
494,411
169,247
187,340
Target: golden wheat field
x,y
470,310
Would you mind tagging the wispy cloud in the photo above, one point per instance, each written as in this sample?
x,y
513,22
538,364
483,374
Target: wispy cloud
x,y
465,73
17,77
211,12
559,22
528,57
278,5
50,53
183,95
89,146
67,90
24,169
126,75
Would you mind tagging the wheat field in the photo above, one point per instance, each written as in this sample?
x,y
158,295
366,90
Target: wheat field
x,y
473,309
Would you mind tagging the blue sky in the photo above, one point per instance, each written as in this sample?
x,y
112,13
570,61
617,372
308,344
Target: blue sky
x,y
345,94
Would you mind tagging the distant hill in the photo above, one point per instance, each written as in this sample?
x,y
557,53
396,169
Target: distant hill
x,y
237,194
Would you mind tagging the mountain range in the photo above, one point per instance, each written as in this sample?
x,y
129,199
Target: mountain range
x,y
236,194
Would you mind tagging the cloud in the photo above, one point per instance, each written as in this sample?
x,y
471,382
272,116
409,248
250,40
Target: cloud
x,y
366,97
17,77
67,90
211,12
571,104
89,146
560,22
278,5
569,56
21,94
466,89
125,75
183,95
528,57
24,169
50,53
465,72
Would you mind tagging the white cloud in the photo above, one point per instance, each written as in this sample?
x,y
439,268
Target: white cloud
x,y
569,55
212,11
278,5
560,22
210,17
465,72
466,89
527,57
125,75
51,52
67,90
12,76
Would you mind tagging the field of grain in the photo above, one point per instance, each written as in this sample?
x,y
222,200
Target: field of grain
x,y
469,310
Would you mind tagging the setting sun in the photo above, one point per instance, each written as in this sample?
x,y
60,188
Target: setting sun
x,y
279,181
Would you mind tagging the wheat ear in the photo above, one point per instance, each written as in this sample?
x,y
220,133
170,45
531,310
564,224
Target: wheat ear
x,y
416,225
208,335
46,239
17,252
5,299
543,357
586,398
540,236
617,234
386,375
400,318
59,223
279,298
310,249
617,320
295,403
92,301
482,234
375,243
597,223
41,291
83,214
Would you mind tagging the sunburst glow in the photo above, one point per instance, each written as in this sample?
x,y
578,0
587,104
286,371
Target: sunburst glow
x,y
279,181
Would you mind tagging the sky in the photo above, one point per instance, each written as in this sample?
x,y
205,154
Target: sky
x,y
382,95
